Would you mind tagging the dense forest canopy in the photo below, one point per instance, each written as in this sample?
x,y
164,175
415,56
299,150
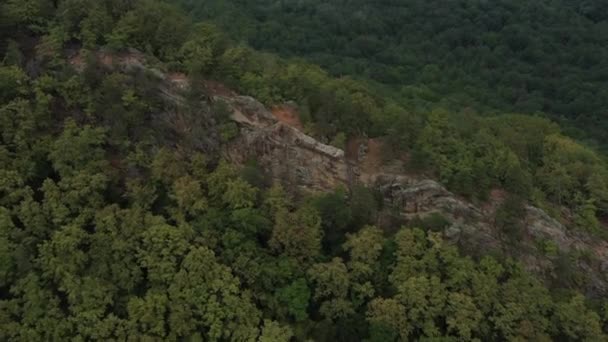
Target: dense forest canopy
x,y
116,224
494,56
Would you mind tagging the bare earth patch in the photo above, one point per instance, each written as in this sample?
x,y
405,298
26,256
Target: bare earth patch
x,y
288,115
178,79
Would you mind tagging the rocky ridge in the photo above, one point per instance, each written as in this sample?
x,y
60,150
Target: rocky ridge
x,y
285,152
297,159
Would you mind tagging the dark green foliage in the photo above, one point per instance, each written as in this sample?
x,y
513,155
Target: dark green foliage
x,y
114,225
379,333
14,82
337,218
508,55
508,218
296,297
363,205
334,210
152,26
253,174
433,222
477,59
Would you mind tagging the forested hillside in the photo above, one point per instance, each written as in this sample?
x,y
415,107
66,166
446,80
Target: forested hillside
x,y
119,220
492,56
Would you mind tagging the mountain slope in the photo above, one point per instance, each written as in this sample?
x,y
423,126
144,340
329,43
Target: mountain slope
x,y
300,162
131,209
499,56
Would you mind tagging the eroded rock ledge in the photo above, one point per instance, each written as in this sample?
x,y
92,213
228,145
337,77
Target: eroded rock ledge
x,y
285,152
297,159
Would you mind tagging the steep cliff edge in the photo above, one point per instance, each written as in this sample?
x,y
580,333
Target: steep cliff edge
x,y
285,152
294,158
297,159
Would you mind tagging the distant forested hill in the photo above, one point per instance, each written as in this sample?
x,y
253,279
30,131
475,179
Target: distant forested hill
x,y
506,55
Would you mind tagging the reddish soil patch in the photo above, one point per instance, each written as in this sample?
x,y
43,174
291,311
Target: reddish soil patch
x,y
107,59
178,79
287,115
367,153
351,150
373,158
498,195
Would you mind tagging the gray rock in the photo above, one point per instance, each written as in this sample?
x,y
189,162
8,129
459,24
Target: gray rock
x,y
293,157
453,233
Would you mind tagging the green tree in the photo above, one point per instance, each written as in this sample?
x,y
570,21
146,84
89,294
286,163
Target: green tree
x,y
201,51
335,212
163,247
78,150
14,83
508,218
115,245
147,315
586,217
577,322
388,314
274,332
189,197
296,297
220,307
523,309
463,317
297,234
331,288
239,194
7,248
365,248
363,205
424,299
32,14
153,26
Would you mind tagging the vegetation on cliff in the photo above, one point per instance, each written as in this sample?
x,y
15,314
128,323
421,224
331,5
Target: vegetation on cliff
x,y
490,56
119,221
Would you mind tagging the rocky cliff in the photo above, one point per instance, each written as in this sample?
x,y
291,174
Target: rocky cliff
x,y
296,159
285,152
293,157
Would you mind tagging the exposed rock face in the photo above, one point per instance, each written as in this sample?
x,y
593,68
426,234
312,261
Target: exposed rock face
x,y
248,111
282,150
416,197
543,226
423,197
299,160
